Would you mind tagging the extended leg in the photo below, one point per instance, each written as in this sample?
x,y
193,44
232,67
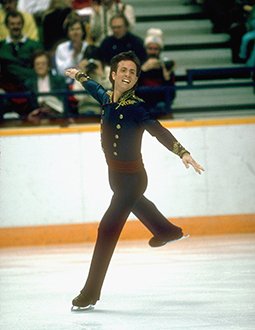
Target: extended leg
x,y
162,229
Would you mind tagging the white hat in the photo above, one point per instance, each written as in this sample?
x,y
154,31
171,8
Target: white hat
x,y
154,36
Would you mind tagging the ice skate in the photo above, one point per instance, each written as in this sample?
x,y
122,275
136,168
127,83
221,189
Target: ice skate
x,y
83,303
157,242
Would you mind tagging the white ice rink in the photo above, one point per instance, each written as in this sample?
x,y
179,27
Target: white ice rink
x,y
199,283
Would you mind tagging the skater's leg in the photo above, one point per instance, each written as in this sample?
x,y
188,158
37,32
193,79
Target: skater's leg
x,y
127,190
152,218
163,230
108,235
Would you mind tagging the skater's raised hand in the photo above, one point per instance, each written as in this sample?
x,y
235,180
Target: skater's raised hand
x,y
71,72
188,160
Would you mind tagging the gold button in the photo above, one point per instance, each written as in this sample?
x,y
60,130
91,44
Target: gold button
x,y
118,126
115,145
121,116
116,136
115,153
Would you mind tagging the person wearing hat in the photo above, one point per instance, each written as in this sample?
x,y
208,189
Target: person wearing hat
x,y
156,71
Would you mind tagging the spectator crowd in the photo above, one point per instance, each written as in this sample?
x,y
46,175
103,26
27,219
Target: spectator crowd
x,y
40,39
236,18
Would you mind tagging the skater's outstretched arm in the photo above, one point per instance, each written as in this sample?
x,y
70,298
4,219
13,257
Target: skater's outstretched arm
x,y
97,91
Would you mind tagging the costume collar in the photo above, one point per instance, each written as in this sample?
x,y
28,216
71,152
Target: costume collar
x,y
126,98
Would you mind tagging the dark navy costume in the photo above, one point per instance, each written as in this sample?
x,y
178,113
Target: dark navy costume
x,y
122,128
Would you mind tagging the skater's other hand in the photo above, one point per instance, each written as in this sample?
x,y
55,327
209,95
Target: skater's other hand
x,y
188,160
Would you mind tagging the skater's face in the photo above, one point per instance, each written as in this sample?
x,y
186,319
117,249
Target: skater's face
x,y
125,77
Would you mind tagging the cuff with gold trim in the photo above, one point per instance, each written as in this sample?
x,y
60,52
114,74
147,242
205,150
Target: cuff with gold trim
x,y
81,76
179,150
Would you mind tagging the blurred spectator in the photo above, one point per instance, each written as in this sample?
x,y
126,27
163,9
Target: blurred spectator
x,y
156,71
30,29
87,105
83,8
251,60
102,12
43,81
248,38
69,53
239,18
33,6
53,21
16,53
121,41
80,4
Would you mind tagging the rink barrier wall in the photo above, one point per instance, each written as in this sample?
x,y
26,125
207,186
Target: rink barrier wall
x,y
133,230
96,128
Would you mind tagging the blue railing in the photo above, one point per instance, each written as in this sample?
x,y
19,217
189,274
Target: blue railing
x,y
233,77
147,93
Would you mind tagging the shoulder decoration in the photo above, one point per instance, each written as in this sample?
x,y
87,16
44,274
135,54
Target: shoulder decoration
x,y
128,98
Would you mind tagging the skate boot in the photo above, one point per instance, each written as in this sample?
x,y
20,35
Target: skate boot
x,y
157,241
83,302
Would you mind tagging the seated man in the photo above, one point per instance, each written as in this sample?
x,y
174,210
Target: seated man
x,y
16,53
121,41
43,81
30,28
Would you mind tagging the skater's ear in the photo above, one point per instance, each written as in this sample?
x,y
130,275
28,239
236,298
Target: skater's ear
x,y
113,75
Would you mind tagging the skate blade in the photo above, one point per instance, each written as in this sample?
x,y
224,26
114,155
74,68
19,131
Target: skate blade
x,y
82,309
178,239
183,237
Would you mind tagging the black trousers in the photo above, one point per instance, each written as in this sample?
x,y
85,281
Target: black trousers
x,y
127,197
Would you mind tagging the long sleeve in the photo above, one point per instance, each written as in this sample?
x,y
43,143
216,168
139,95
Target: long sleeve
x,y
165,137
97,91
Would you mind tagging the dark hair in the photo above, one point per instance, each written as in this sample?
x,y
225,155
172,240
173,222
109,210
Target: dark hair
x,y
122,16
39,53
74,20
14,13
124,56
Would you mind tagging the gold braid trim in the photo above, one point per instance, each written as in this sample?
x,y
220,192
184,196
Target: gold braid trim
x,y
179,150
81,76
128,98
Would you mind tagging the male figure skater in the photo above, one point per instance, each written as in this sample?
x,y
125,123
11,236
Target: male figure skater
x,y
124,119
